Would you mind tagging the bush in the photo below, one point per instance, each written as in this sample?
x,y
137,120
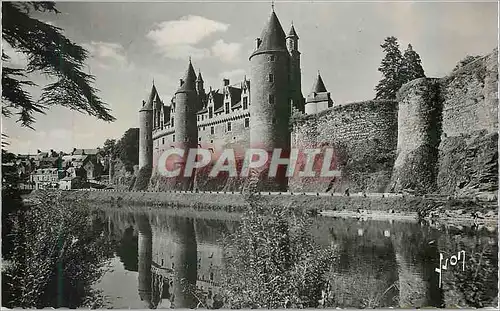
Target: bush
x,y
272,262
59,253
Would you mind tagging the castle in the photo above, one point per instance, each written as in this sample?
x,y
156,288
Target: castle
x,y
222,118
417,143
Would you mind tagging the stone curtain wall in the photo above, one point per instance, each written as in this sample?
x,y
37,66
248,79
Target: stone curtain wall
x,y
468,153
363,135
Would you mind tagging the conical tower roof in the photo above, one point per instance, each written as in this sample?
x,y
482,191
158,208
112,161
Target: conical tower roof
x,y
189,79
292,33
199,79
272,37
152,96
319,86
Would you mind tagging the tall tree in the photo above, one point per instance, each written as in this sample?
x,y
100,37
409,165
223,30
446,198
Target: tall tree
x,y
127,148
50,53
390,69
412,65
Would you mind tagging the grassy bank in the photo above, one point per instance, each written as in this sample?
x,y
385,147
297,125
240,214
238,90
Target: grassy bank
x,y
236,202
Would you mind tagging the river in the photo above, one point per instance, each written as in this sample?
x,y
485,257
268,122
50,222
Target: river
x,y
379,263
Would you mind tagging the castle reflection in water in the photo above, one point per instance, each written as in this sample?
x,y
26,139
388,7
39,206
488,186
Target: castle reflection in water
x,y
380,263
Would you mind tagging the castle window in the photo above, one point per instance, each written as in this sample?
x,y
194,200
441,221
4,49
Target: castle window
x,y
271,98
212,130
211,276
211,141
272,58
199,138
203,128
172,122
274,120
229,126
163,141
173,138
247,122
198,118
227,95
271,77
227,107
146,123
245,102
210,112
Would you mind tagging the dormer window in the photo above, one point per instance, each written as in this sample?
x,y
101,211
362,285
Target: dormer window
x,y
245,102
227,107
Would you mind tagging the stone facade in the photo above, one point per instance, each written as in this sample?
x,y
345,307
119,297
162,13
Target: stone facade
x,y
363,135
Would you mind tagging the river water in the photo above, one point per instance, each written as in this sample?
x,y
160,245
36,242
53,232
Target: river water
x,y
379,263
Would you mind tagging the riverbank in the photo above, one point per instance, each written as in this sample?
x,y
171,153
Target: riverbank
x,y
374,206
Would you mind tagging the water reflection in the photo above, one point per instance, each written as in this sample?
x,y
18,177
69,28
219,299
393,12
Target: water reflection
x,y
381,264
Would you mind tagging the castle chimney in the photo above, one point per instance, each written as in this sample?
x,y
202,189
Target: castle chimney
x,y
258,41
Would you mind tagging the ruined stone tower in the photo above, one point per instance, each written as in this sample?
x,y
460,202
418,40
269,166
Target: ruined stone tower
x,y
186,132
292,43
270,93
146,130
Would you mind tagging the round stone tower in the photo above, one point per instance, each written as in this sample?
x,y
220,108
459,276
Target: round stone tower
x,y
186,131
270,93
146,130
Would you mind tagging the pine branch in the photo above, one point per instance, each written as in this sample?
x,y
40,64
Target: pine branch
x,y
49,52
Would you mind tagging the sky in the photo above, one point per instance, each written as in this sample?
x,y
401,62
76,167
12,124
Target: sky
x,y
133,43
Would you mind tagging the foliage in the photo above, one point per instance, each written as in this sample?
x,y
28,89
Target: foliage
x,y
272,262
412,65
467,60
59,253
50,53
109,147
390,69
127,149
397,69
479,282
142,181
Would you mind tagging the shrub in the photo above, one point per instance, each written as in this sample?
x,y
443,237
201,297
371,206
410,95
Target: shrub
x,y
58,254
271,260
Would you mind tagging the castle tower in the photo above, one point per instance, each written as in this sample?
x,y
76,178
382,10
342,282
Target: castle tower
x,y
146,130
200,90
270,93
292,44
186,132
319,99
